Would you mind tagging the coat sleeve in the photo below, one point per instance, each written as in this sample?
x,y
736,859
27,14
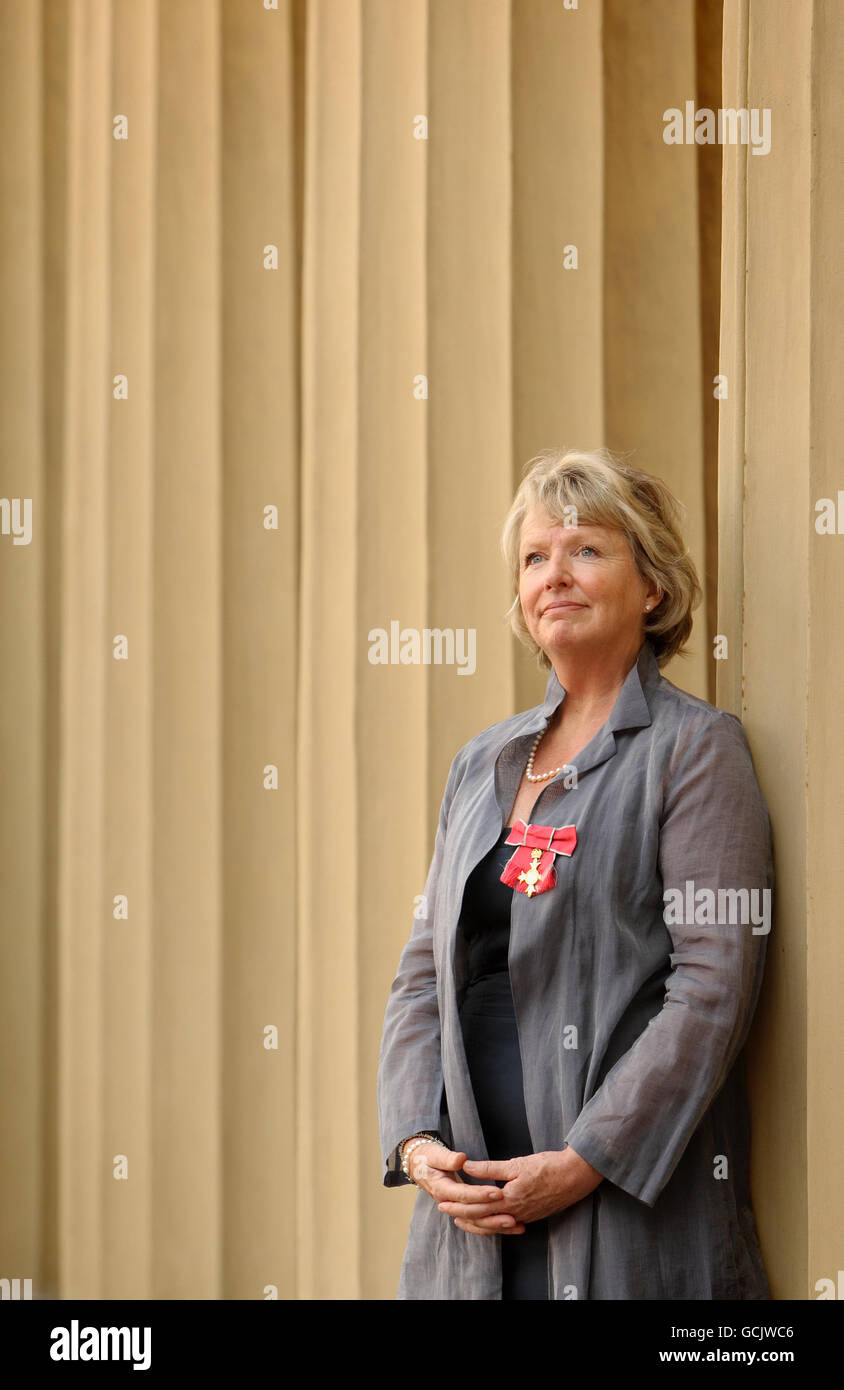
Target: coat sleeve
x,y
714,830
410,1079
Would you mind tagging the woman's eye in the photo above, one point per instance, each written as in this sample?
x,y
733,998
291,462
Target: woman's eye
x,y
537,555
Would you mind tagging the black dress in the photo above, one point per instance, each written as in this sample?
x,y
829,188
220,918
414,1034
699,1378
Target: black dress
x,y
491,1040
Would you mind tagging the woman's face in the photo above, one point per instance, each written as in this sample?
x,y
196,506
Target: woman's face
x,y
579,587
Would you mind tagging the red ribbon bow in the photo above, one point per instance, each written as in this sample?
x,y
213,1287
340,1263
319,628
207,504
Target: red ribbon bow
x,y
531,869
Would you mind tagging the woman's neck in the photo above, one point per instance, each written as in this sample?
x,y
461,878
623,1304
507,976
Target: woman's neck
x,y
591,685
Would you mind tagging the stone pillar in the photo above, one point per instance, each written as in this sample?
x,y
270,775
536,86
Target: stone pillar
x,y
781,592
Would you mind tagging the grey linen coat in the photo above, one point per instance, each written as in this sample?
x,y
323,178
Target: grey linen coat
x,y
653,1093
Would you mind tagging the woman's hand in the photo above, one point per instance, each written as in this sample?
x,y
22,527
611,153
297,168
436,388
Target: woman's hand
x,y
536,1186
431,1166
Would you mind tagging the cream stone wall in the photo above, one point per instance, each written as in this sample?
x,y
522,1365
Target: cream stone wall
x,y
272,364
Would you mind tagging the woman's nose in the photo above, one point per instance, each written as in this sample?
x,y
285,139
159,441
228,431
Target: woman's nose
x,y
559,569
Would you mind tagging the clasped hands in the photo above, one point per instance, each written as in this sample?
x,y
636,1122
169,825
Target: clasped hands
x,y
535,1186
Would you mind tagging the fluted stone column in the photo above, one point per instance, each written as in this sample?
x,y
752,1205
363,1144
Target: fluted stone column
x,y
780,595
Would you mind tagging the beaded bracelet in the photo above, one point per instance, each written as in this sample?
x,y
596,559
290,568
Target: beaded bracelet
x,y
413,1142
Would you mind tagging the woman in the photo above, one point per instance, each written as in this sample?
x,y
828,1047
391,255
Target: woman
x,y
561,1061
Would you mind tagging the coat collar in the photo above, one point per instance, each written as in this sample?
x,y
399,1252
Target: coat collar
x,y
630,710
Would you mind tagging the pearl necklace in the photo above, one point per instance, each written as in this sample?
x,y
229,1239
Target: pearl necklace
x,y
539,776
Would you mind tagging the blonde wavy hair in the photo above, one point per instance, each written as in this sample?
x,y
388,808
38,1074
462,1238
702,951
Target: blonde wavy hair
x,y
607,492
